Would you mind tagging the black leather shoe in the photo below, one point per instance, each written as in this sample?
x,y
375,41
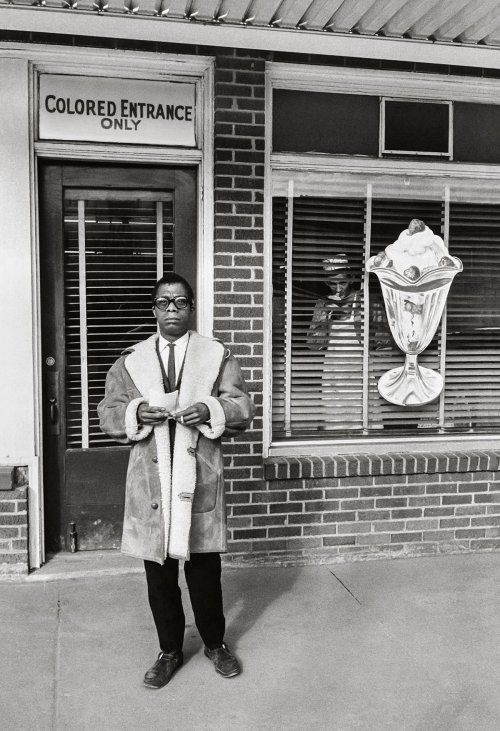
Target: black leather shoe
x,y
163,669
224,661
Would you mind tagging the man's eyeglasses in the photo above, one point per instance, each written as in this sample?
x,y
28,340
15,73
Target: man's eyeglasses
x,y
162,303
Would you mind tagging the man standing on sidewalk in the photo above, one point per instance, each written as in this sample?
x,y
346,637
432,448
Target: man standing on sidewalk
x,y
172,397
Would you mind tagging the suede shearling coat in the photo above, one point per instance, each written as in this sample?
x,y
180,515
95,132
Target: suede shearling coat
x,y
175,506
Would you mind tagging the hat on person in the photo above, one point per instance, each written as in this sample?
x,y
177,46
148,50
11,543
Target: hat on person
x,y
335,264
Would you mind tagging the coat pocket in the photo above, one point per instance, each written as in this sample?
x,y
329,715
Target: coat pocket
x,y
208,477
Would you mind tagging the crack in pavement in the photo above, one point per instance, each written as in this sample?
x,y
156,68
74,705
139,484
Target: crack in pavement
x,y
345,587
55,693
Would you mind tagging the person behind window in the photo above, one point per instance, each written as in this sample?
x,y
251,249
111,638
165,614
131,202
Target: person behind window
x,y
336,329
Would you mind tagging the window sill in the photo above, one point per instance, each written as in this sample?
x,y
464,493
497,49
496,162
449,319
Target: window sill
x,y
391,463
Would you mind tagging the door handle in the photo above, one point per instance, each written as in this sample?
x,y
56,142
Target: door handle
x,y
53,410
52,395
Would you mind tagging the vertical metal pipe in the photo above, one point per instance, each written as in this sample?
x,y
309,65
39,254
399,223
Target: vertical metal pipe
x,y
442,337
82,291
159,239
366,304
288,310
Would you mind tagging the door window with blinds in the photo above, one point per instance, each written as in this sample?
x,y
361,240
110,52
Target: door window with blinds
x,y
116,245
331,340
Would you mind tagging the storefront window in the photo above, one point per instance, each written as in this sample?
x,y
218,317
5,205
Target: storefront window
x,y
325,371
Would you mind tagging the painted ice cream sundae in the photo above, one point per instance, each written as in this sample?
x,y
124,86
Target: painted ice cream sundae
x,y
416,251
415,273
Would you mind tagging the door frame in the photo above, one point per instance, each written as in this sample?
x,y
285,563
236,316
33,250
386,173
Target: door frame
x,y
118,64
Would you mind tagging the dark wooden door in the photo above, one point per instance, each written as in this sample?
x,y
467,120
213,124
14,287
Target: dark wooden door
x,y
107,233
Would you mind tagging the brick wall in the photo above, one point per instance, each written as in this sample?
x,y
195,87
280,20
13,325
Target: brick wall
x,y
13,520
238,241
358,506
313,509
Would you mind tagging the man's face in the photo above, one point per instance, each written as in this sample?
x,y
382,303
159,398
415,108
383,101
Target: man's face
x,y
340,285
173,323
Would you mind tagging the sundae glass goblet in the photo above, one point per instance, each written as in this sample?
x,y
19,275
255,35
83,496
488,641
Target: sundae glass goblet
x,y
414,308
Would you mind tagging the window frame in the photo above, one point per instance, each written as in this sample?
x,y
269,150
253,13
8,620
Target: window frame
x,y
383,150
398,85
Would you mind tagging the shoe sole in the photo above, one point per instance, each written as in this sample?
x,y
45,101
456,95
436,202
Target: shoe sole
x,y
229,675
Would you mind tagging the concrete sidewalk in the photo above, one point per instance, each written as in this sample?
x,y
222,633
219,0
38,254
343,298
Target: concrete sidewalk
x,y
403,645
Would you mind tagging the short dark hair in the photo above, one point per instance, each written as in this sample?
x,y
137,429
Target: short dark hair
x,y
173,278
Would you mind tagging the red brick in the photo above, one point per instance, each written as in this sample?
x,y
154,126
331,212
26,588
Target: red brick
x,y
370,539
437,512
491,497
15,519
470,532
473,487
339,517
485,543
249,509
286,508
364,504
354,527
284,531
457,499
278,544
340,493
321,505
374,515
302,518
396,502
389,525
407,513
339,541
406,537
324,529
454,522
487,520
251,533
265,520
8,506
422,524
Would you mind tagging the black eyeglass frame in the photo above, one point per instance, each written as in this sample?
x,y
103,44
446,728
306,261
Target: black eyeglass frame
x,y
168,300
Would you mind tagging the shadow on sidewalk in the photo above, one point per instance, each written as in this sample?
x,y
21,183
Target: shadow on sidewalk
x,y
249,594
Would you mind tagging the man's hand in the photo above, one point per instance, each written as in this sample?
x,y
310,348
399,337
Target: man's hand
x,y
192,416
151,415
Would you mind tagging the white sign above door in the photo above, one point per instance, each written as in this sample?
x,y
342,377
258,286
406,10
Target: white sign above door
x,y
95,109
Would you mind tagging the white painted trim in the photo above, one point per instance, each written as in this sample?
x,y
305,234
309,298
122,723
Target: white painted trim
x,y
36,548
90,23
159,239
126,153
328,164
205,284
267,351
36,524
147,66
82,297
106,62
367,445
399,84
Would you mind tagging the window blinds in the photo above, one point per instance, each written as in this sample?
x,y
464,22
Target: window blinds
x,y
116,244
328,386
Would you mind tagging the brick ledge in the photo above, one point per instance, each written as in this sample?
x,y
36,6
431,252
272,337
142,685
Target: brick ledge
x,y
391,463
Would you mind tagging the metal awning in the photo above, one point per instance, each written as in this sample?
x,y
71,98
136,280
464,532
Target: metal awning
x,y
312,26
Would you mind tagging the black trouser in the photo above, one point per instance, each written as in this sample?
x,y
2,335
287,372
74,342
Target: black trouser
x,y
203,578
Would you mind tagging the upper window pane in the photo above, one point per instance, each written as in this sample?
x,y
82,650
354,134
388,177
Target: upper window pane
x,y
484,144
306,121
416,127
